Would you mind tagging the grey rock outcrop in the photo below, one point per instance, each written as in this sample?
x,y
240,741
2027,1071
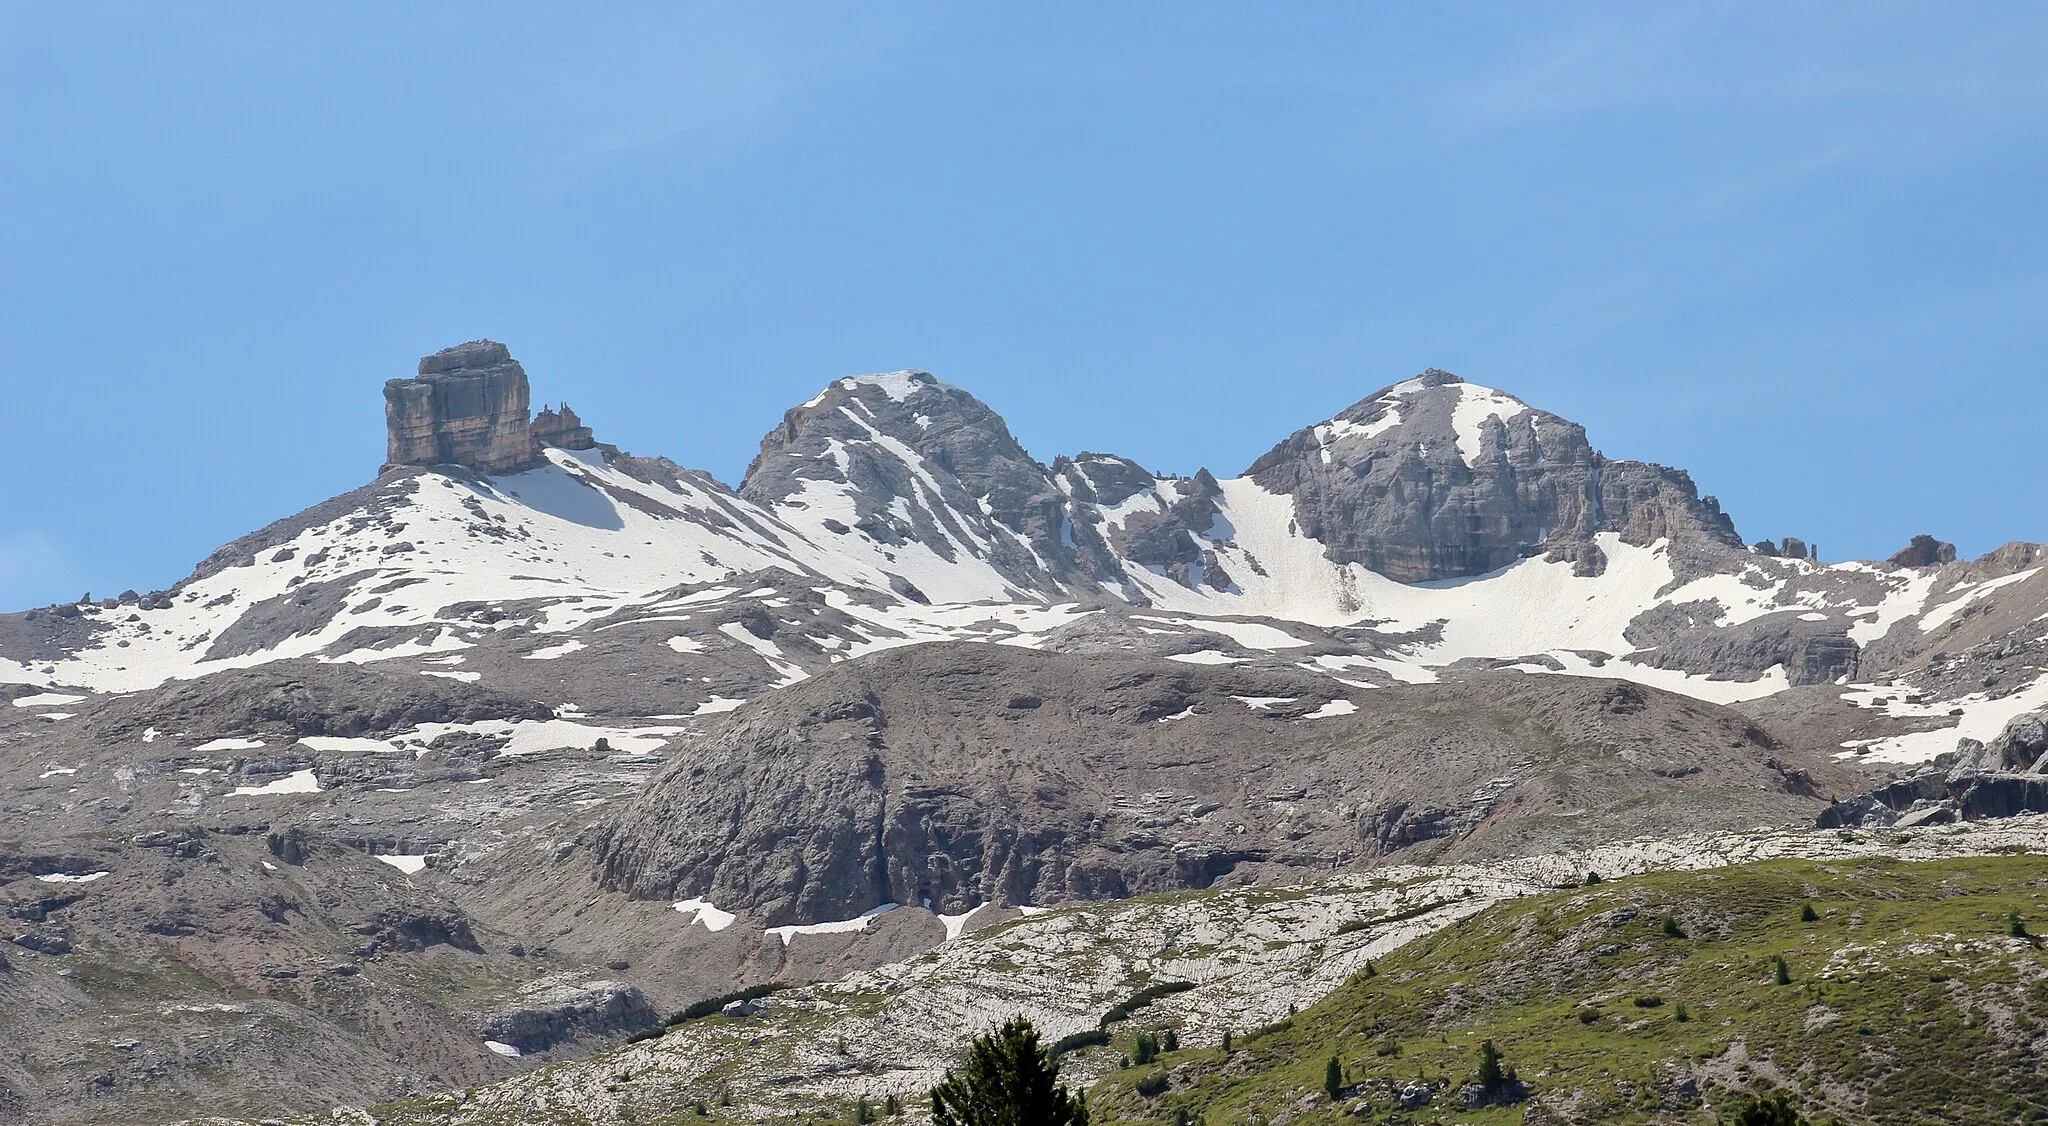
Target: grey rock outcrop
x,y
1685,637
306,697
1435,479
2003,778
560,1008
1925,551
924,461
960,774
562,428
469,406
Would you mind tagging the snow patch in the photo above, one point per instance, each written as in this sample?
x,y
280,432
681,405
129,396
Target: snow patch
x,y
844,926
1206,657
45,700
898,385
701,911
297,782
1261,703
228,744
1475,405
1941,615
1251,635
549,653
958,923
717,704
347,745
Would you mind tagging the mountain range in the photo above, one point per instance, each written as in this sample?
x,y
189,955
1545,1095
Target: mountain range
x,y
530,740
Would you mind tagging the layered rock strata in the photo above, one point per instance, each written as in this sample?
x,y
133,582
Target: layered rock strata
x,y
469,406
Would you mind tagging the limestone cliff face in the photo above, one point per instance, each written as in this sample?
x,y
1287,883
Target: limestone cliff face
x,y
470,405
1436,478
955,775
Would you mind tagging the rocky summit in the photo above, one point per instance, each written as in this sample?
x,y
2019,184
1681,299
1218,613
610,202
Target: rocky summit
x,y
530,748
468,406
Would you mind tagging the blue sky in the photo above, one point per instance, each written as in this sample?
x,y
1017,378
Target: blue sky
x,y
1795,248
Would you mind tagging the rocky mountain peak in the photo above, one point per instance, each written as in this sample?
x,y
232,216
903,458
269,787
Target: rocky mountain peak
x,y
896,431
905,458
1436,478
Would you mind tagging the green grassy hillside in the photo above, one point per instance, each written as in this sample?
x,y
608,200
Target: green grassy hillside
x,y
1658,999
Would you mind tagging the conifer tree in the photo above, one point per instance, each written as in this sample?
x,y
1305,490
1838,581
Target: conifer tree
x,y
1492,1074
1009,1080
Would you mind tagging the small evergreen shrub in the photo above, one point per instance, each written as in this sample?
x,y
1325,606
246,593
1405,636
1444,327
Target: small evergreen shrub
x,y
1093,1038
1774,1111
712,1006
1143,997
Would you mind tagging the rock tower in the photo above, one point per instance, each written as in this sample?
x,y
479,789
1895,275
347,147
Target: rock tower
x,y
469,406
